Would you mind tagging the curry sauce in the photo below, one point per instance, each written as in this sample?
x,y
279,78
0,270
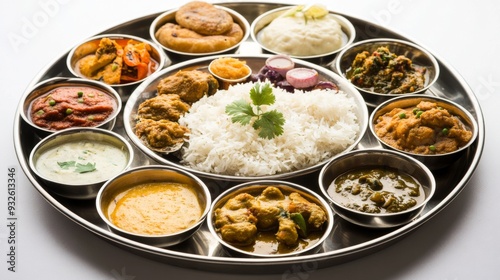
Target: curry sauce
x,y
156,208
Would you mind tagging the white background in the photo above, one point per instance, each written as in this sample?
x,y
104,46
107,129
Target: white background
x,y
461,242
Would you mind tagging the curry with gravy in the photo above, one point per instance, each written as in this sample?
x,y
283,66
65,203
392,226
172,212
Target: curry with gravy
x,y
424,129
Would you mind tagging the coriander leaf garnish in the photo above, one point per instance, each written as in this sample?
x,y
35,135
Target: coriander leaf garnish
x,y
84,168
269,124
80,168
262,94
240,111
66,164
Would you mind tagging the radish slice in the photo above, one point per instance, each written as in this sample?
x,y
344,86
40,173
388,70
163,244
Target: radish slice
x,y
280,63
302,77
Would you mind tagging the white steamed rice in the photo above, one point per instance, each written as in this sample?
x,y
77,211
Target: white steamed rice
x,y
318,125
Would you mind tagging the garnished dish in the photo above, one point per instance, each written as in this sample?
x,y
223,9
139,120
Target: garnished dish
x,y
383,71
199,27
302,31
81,161
72,106
422,129
114,61
76,162
256,129
377,190
262,126
270,219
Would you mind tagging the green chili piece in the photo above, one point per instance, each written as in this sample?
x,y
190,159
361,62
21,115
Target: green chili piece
x,y
299,220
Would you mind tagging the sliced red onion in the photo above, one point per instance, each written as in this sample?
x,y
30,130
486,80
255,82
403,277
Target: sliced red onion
x,y
302,78
280,63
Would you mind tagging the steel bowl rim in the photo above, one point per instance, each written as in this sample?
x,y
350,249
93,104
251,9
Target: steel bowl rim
x,y
55,81
161,61
79,130
429,55
473,123
159,20
263,184
195,226
432,187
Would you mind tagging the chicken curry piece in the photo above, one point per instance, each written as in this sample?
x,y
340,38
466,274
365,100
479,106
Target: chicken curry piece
x,y
270,222
424,129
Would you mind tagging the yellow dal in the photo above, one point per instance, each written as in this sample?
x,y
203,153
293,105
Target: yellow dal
x,y
156,208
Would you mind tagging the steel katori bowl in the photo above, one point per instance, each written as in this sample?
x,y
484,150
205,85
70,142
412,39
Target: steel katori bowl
x,y
89,46
268,248
179,55
76,162
372,159
109,197
417,54
261,22
58,111
436,160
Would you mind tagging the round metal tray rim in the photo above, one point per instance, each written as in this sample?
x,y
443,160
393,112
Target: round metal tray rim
x,y
214,260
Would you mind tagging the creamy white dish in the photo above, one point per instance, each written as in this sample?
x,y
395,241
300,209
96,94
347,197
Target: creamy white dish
x,y
81,162
293,35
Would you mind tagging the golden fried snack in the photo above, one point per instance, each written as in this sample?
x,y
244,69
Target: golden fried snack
x,y
105,64
204,18
160,134
189,85
163,107
182,39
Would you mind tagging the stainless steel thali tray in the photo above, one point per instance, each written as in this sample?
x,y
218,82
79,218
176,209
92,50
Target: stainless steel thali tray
x,y
347,241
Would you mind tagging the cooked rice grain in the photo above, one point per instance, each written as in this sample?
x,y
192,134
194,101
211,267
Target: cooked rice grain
x,y
318,125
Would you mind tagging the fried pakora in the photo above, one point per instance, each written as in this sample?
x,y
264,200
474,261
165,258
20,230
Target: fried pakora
x,y
106,64
189,85
163,107
160,134
116,61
